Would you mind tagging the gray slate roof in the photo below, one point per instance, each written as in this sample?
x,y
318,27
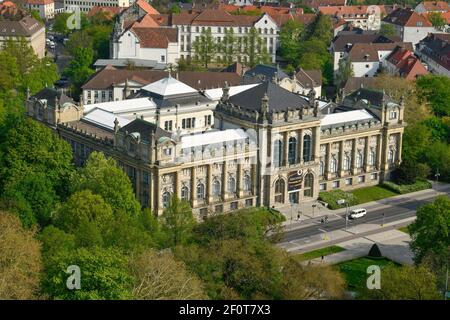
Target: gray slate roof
x,y
144,128
49,94
279,99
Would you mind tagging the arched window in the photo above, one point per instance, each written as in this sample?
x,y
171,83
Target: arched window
x,y
185,193
279,191
322,168
307,148
277,153
292,152
200,191
359,160
165,199
231,185
346,162
372,158
247,183
333,165
216,188
308,185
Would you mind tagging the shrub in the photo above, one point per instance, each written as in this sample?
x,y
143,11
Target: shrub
x,y
331,197
407,188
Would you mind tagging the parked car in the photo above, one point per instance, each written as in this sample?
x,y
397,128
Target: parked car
x,y
357,213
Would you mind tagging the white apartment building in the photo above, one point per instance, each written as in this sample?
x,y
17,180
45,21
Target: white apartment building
x,y
46,8
86,5
190,27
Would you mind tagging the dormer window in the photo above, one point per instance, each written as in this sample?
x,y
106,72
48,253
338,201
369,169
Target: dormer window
x,y
393,115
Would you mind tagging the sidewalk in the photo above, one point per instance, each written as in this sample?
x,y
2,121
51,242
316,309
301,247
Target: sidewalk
x,y
308,217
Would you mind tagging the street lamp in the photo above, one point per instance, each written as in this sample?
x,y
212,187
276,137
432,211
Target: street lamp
x,y
437,175
341,202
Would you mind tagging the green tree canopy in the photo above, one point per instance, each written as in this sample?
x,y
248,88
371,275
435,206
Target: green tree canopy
x,y
205,47
102,176
177,222
104,275
435,90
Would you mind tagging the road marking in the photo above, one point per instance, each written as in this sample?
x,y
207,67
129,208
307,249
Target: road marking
x,y
323,230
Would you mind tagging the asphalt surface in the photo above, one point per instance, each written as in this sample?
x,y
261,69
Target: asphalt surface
x,y
398,210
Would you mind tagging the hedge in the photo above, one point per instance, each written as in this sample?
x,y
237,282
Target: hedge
x,y
407,188
331,197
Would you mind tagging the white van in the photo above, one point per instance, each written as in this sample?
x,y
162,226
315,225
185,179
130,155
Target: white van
x,y
358,213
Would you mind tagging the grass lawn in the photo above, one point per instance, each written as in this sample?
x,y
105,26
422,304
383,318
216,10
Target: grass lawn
x,y
404,229
318,253
355,271
372,194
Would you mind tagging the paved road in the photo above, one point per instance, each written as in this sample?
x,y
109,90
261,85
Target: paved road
x,y
399,209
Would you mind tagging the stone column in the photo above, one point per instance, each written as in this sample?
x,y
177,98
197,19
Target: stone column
x,y
354,153
193,187
300,146
158,207
379,152
178,184
224,180
328,162
316,141
366,154
151,190
399,148
254,175
209,195
239,181
341,159
285,148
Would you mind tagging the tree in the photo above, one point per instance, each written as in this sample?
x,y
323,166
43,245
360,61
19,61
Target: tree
x,y
387,30
29,147
35,14
104,275
228,47
79,69
175,9
159,276
60,24
102,176
290,37
405,283
437,20
20,260
177,222
430,232
86,215
205,47
409,172
311,282
255,49
55,241
345,71
435,90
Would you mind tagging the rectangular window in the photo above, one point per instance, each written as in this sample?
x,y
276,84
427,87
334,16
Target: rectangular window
x,y
348,181
249,202
323,186
233,205
361,179
335,184
219,208
168,125
374,176
163,58
183,124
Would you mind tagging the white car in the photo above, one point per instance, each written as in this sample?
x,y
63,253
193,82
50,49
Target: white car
x,y
357,213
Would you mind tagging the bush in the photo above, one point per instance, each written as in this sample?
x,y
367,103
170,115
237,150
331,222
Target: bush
x,y
407,188
331,197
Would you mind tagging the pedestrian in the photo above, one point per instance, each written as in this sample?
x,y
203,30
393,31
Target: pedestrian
x,y
298,216
322,257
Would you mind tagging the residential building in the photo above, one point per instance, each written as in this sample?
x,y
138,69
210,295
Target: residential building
x,y
344,41
268,147
432,6
434,50
16,23
367,58
363,17
46,8
410,26
86,6
402,62
301,82
316,4
113,84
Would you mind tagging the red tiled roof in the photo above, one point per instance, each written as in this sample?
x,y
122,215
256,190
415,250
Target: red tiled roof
x,y
39,2
110,11
345,11
144,5
407,64
446,16
155,37
436,6
319,3
368,52
109,76
407,18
